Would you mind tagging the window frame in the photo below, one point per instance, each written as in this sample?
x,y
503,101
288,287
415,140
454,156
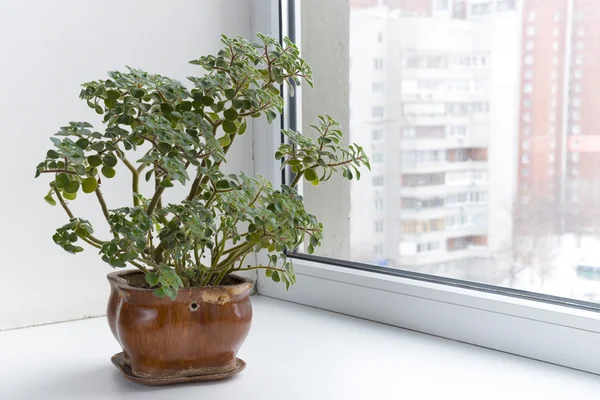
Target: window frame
x,y
542,327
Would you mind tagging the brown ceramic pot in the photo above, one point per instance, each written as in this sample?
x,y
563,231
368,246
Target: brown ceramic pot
x,y
199,333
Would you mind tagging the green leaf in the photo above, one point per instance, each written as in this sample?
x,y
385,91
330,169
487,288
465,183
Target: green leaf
x,y
52,154
166,108
69,196
166,183
89,185
112,95
138,93
71,187
229,127
272,89
275,276
229,93
98,109
82,143
49,199
152,279
224,140
108,172
224,184
94,161
310,249
110,104
242,128
268,273
230,114
310,175
110,161
207,101
170,292
159,292
61,180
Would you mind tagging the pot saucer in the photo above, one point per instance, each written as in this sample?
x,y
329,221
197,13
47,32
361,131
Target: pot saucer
x,y
119,361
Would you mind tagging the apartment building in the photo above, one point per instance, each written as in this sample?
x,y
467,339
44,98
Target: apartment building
x,y
427,99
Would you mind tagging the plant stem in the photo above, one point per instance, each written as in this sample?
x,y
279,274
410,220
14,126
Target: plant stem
x,y
155,200
297,178
63,203
105,210
139,266
135,181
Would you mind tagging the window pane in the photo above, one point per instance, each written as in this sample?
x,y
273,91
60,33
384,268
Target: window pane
x,y
481,120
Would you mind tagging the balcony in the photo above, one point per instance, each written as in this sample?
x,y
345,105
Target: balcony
x,y
445,73
444,96
424,192
469,141
435,257
448,233
441,166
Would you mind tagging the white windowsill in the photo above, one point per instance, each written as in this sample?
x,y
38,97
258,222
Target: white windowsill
x,y
293,352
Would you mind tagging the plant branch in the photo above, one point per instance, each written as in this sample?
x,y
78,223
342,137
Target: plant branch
x,y
155,199
135,181
105,210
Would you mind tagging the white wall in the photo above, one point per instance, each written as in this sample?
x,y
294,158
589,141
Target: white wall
x,y
48,48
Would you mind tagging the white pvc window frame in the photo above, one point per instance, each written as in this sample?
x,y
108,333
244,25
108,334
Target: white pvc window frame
x,y
554,333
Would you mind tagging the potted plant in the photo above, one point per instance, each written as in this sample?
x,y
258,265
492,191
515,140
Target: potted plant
x,y
182,314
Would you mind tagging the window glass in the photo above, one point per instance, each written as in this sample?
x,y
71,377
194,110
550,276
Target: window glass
x,y
488,168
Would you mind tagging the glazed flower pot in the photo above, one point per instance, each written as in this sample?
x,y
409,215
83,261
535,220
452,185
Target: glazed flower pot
x,y
194,337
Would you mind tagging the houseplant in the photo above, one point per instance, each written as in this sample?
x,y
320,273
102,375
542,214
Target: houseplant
x,y
181,314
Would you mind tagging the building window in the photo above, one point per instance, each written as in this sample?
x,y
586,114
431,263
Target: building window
x,y
378,181
554,88
580,31
551,158
575,157
408,132
377,112
575,130
379,204
554,75
526,117
526,130
378,226
380,37
378,249
458,131
377,134
577,74
576,115
530,30
578,59
556,17
526,103
378,63
481,9
525,145
377,87
555,46
553,117
556,32
529,45
576,101
577,87
531,15
579,45
527,88
377,157
528,59
528,74
554,60
442,5
525,158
